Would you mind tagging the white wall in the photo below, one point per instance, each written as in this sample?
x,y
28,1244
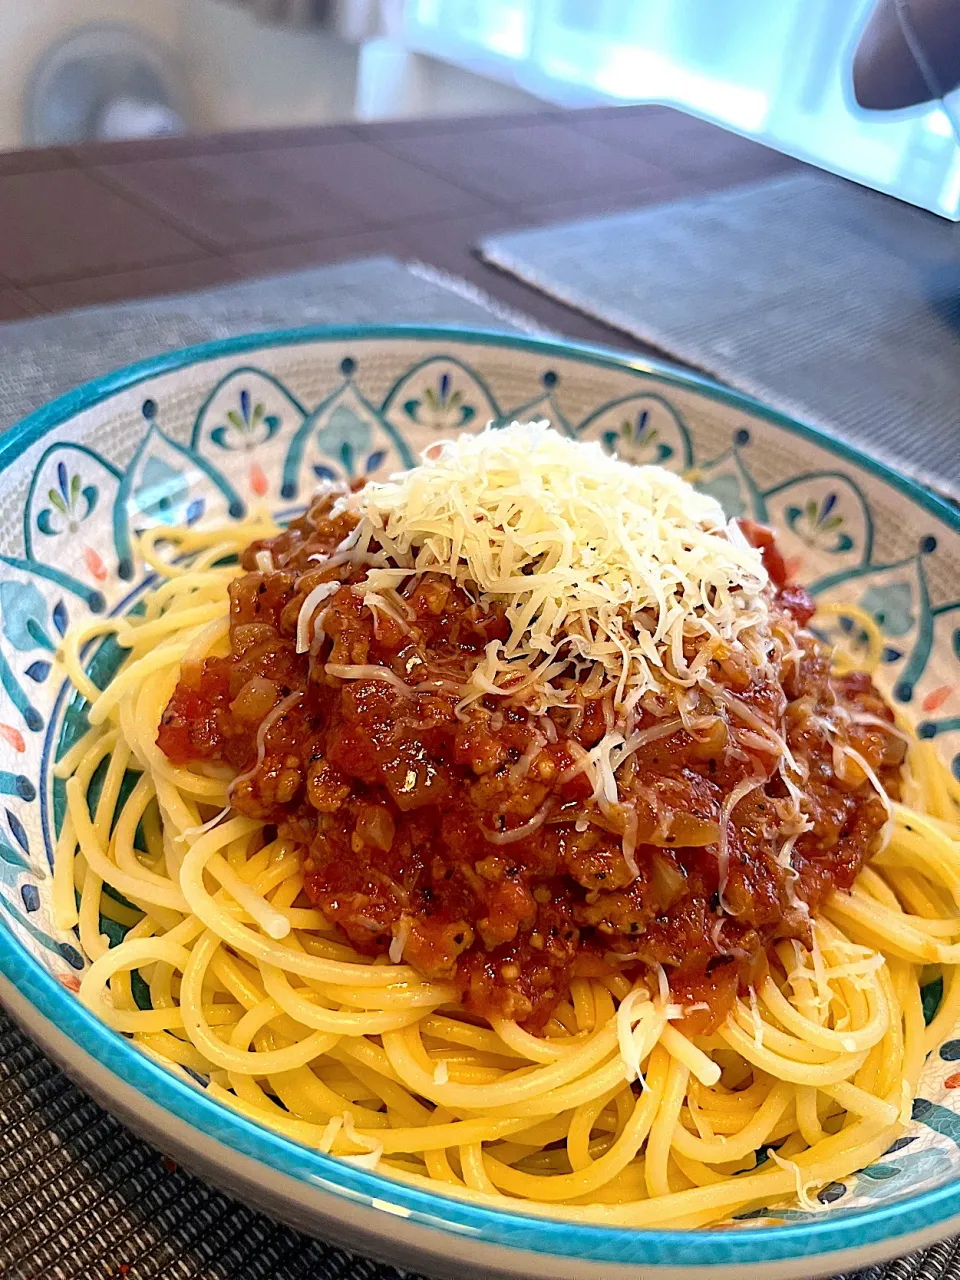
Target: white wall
x,y
394,82
245,75
29,27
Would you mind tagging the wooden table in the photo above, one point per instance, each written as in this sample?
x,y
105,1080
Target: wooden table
x,y
106,222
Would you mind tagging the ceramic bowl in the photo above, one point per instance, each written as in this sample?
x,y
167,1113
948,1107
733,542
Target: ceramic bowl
x,y
203,434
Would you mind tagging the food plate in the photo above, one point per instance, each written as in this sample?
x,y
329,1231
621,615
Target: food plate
x,y
205,434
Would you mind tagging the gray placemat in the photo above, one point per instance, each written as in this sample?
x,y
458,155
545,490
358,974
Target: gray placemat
x,y
831,302
80,1197
44,357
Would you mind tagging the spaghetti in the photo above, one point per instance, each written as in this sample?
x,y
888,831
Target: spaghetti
x,y
634,1068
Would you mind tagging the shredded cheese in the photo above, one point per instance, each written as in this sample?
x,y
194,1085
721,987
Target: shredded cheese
x,y
369,1158
857,971
590,556
740,792
266,724
333,1127
399,939
514,834
697,1007
190,833
367,671
803,1195
755,1017
631,824
629,1013
857,758
309,608
522,767
663,986
862,717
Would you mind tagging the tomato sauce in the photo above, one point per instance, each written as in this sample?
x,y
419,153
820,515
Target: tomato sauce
x,y
467,838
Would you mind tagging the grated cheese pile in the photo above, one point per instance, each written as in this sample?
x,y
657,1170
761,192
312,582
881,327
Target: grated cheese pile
x,y
596,561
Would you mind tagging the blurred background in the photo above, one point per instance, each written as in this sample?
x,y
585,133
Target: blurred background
x,y
775,70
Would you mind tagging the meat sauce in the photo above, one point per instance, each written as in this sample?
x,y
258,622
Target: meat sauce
x,y
462,838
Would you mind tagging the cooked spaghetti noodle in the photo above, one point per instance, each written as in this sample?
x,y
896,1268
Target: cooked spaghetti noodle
x,y
645,1080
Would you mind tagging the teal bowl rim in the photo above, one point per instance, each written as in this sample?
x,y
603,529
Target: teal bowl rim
x,y
841,1230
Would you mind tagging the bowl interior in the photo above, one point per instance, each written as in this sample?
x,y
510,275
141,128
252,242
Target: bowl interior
x,y
206,436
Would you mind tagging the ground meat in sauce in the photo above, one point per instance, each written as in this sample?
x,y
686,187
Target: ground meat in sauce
x,y
400,806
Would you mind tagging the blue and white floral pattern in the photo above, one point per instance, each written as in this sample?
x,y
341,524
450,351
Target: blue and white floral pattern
x,y
441,395
227,433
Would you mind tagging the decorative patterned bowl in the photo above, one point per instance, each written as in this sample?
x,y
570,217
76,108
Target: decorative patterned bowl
x,y
201,435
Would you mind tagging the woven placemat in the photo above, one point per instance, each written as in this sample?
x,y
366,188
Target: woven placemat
x,y
80,1197
830,302
44,357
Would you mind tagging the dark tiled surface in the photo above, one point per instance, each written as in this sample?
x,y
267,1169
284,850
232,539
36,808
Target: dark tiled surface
x,y
100,223
303,135
97,153
745,159
539,160
438,238
237,199
177,277
33,158
379,130
314,253
204,144
382,188
16,306
245,199
682,145
649,112
61,222
542,212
